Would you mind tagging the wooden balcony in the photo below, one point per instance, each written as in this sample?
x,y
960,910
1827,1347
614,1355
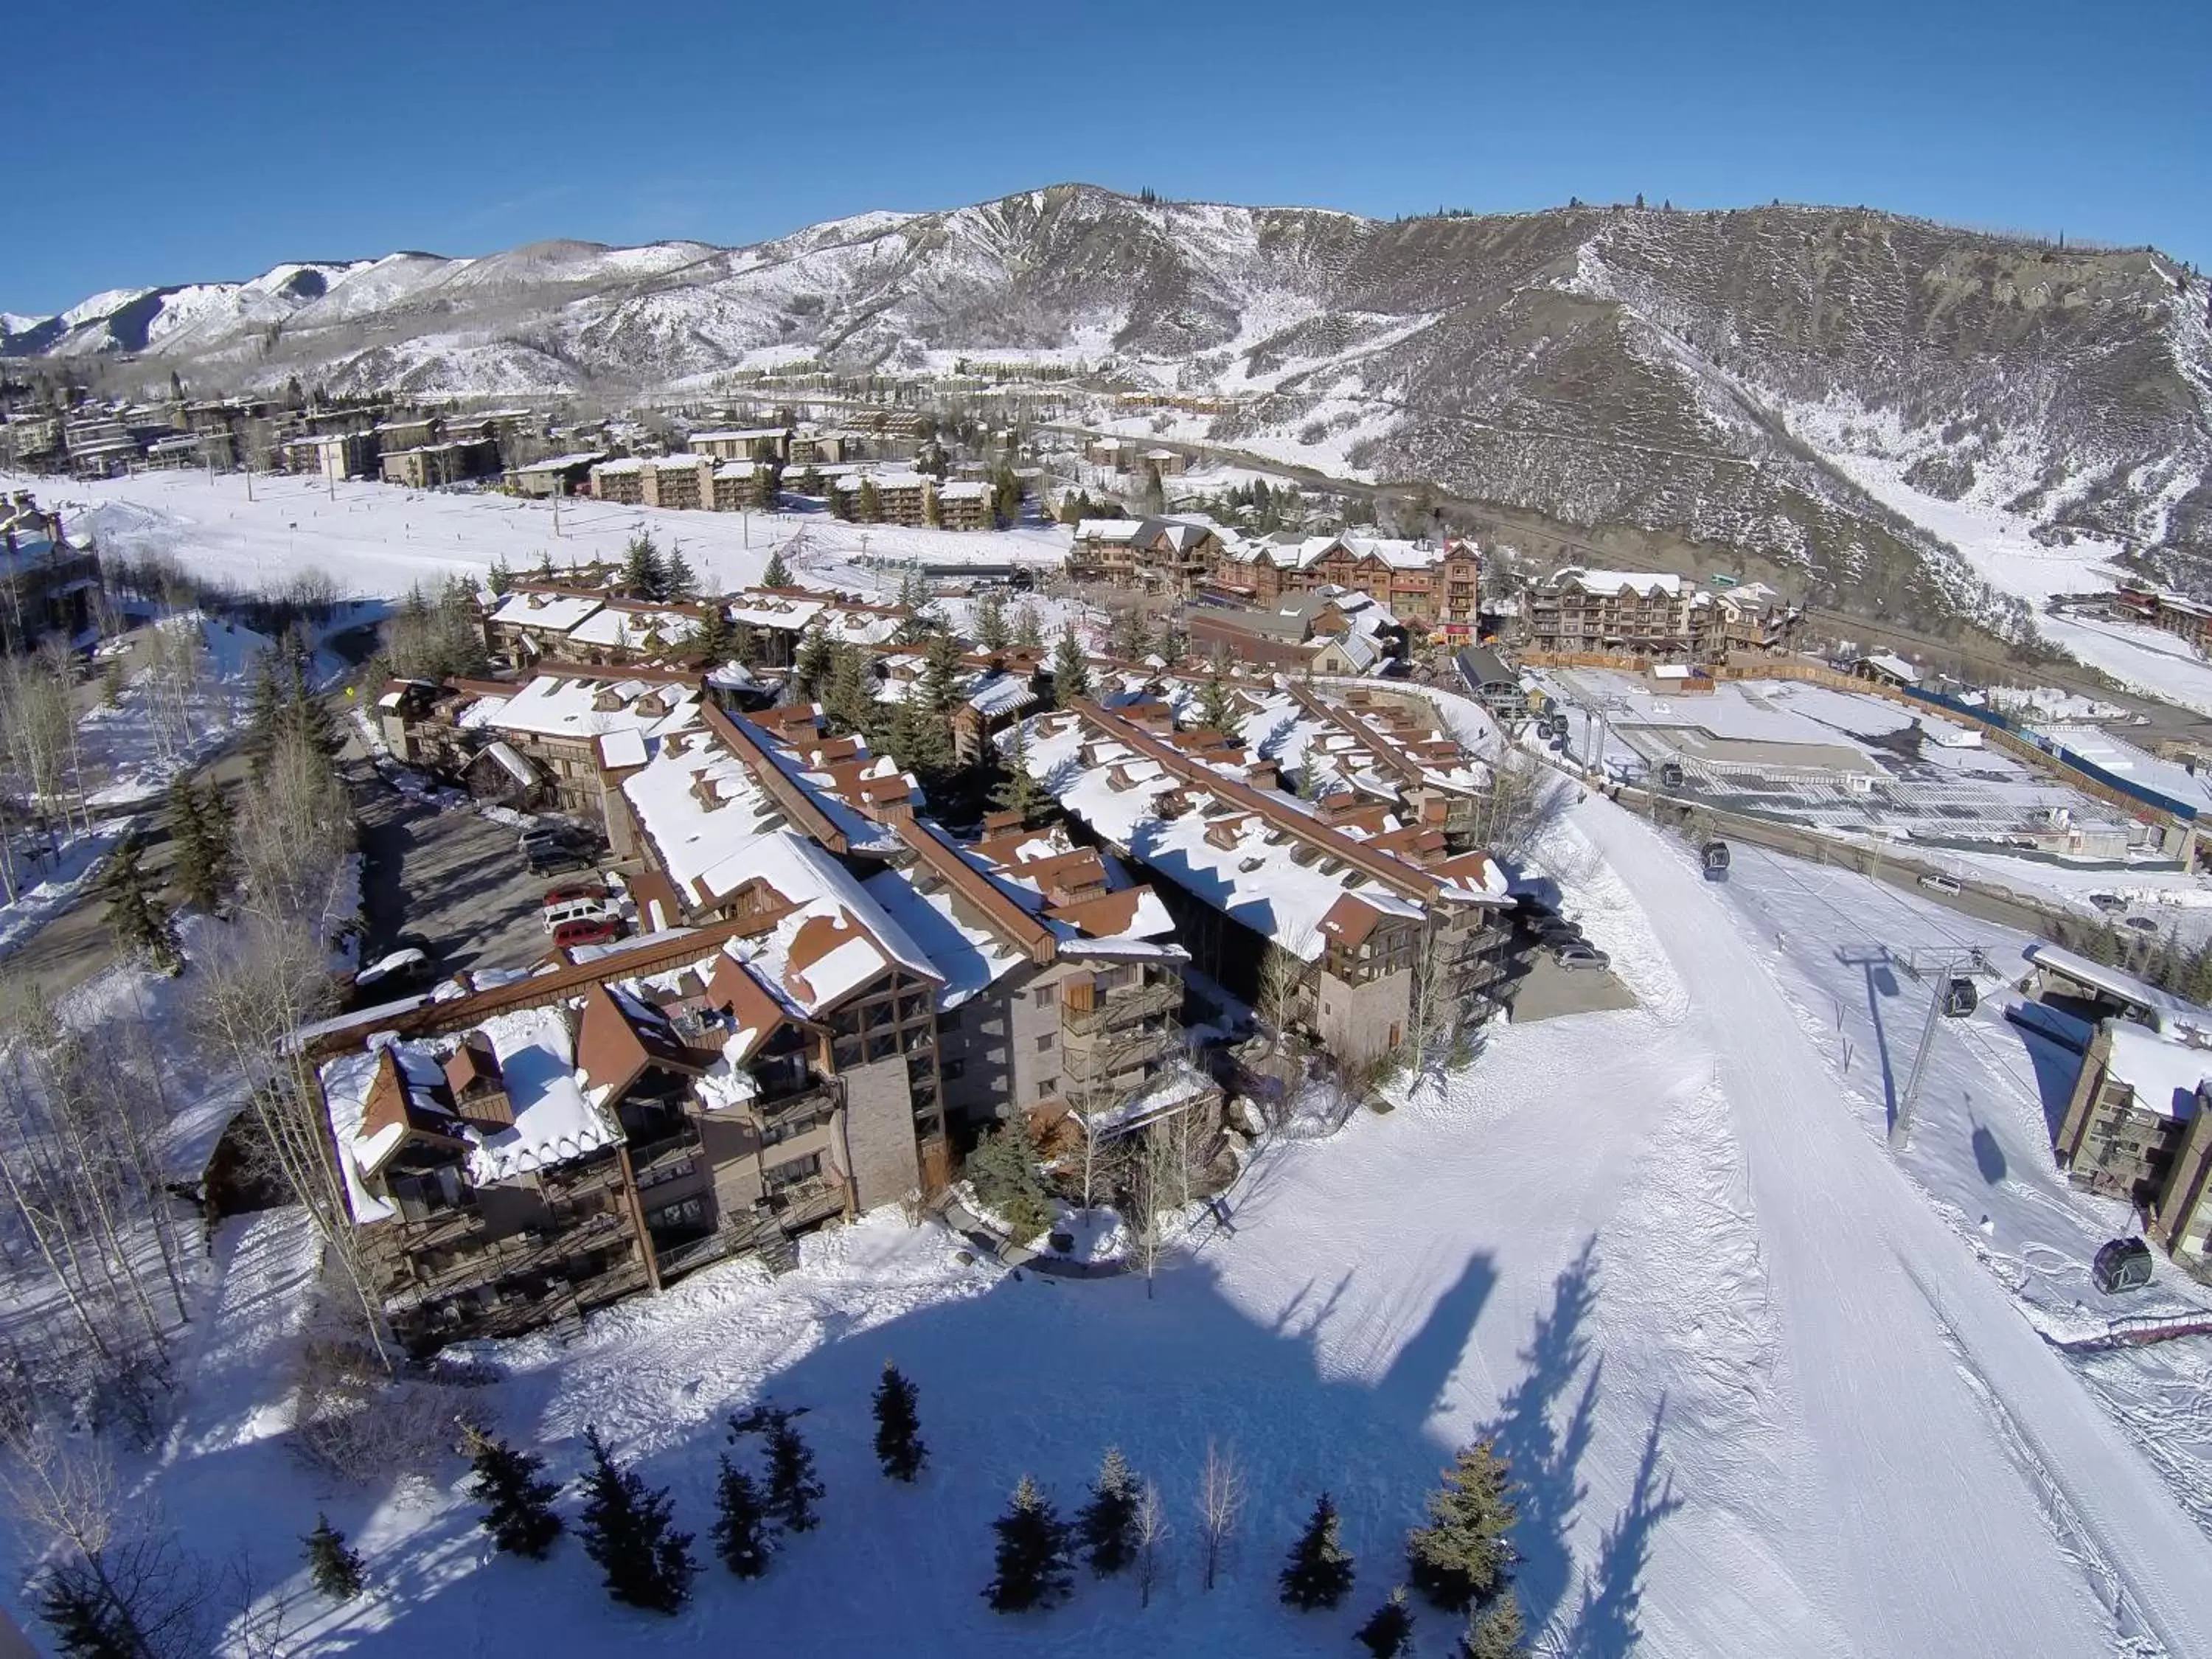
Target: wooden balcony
x,y
1113,1010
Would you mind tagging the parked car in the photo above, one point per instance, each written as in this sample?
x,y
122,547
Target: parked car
x,y
1576,957
577,909
598,930
569,891
2141,924
395,975
551,858
1555,927
1941,884
2108,903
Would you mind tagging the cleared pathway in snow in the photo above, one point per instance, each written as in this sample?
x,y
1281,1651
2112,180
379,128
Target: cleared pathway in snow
x,y
1959,1490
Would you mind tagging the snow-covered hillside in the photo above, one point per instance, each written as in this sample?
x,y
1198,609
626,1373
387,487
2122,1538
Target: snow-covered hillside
x,y
1713,375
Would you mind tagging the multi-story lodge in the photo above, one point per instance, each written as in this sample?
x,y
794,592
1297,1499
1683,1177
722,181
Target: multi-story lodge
x,y
1652,613
46,581
964,505
1160,555
901,497
425,466
1436,586
1328,631
2138,1127
1378,916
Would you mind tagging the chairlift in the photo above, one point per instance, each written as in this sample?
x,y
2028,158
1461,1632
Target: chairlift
x,y
1960,997
1670,775
1715,856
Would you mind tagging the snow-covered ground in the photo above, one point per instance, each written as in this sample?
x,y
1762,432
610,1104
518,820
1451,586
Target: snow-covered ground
x,y
1769,1390
377,539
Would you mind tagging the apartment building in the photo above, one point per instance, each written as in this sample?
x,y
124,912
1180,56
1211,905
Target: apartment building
x,y
523,1154
1384,929
427,466
742,485
2173,613
762,443
899,497
334,456
557,475
47,581
965,504
1651,613
407,432
2138,1127
1432,586
1157,554
620,480
1327,632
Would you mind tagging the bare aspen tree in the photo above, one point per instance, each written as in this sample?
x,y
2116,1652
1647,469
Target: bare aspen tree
x,y
1220,1503
1283,974
1152,1533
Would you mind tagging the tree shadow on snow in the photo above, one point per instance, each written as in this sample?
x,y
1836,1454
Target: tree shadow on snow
x,y
1025,1375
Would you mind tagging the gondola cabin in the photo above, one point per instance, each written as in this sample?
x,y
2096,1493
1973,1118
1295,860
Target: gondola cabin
x,y
1960,997
1714,857
1670,775
2122,1265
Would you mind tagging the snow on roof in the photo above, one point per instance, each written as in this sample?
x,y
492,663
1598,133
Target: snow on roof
x,y
969,956
617,625
1106,530
502,753
2163,1075
554,1122
1619,581
564,463
1896,667
2170,1010
850,627
346,1083
1254,880
744,434
618,750
550,705
852,482
526,607
766,609
738,469
1002,694
623,464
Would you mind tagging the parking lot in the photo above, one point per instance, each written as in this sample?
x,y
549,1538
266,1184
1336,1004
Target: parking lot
x,y
455,878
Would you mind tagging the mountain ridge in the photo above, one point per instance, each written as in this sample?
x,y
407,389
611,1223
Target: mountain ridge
x,y
1725,374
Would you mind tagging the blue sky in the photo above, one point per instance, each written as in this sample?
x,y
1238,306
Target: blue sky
x,y
193,143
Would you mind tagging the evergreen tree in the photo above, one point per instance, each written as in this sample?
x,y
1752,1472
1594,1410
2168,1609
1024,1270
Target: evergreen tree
x,y
870,509
140,923
678,580
1005,499
1029,632
628,1530
1071,669
644,576
810,668
199,831
849,701
990,622
778,574
1106,1525
1389,1633
792,1489
1462,1555
714,639
1018,792
741,1523
518,1512
500,579
1009,1177
85,1619
1217,705
1153,495
1032,1568
336,1570
1495,1631
1319,1571
898,1429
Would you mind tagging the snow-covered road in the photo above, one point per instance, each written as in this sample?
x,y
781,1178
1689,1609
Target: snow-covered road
x,y
1960,1492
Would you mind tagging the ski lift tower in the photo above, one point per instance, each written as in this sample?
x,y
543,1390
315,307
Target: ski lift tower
x,y
1951,968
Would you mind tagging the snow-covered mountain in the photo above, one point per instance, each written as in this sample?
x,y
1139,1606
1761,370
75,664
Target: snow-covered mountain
x,y
1714,375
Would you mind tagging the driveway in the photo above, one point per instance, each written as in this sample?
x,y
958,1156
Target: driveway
x,y
457,878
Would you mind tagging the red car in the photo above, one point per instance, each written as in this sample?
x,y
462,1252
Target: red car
x,y
604,931
580,890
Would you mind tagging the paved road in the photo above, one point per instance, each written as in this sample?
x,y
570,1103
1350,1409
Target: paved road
x,y
454,876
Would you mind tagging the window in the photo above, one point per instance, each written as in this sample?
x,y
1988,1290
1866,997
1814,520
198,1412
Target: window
x,y
791,1127
1045,995
791,1174
685,1212
954,1069
1048,1087
1044,1042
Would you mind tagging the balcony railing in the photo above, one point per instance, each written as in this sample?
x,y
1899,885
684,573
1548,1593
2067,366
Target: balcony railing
x,y
1092,1061
648,1157
1113,1009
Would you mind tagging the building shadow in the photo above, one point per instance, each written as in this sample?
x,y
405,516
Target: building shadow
x,y
2057,1069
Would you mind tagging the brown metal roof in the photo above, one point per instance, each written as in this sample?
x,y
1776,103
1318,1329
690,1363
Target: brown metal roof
x,y
1014,926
